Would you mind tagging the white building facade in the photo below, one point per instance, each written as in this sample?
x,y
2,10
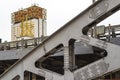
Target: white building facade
x,y
28,23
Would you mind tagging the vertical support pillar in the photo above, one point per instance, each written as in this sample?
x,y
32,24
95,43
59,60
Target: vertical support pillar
x,y
66,58
72,54
68,75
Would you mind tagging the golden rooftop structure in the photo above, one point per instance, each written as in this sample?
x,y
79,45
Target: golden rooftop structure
x,y
31,12
28,23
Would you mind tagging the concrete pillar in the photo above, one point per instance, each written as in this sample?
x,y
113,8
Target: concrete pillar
x,y
72,56
68,75
66,58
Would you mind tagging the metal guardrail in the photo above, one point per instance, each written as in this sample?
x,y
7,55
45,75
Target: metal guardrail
x,y
106,31
24,43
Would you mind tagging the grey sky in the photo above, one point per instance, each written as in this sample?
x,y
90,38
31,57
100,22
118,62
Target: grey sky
x,y
59,12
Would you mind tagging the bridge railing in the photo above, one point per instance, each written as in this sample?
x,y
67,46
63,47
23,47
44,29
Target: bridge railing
x,y
23,43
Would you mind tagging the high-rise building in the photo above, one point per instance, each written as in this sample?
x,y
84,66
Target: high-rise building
x,y
28,23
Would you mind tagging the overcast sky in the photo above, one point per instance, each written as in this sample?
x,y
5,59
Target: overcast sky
x,y
59,12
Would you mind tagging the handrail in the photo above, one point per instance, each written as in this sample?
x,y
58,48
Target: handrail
x,y
24,43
